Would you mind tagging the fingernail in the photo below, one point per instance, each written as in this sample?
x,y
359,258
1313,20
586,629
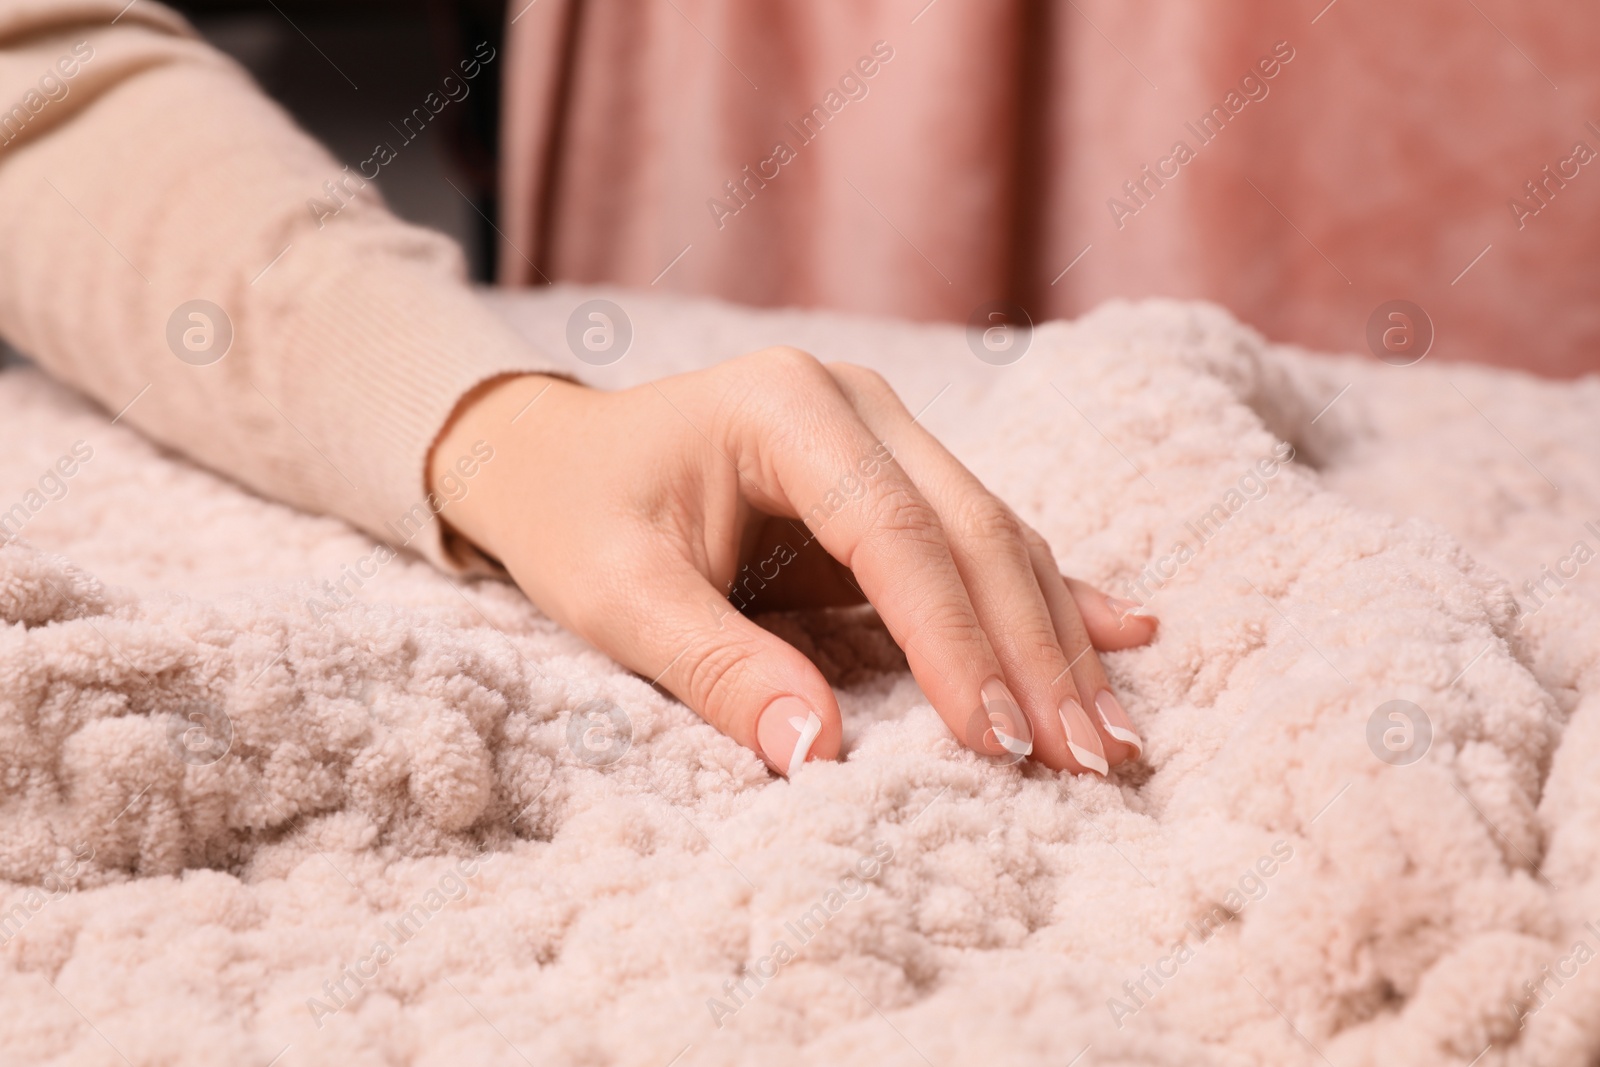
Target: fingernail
x,y
1006,718
1122,608
786,731
1117,723
1082,741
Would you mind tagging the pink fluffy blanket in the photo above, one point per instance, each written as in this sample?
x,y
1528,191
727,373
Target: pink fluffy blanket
x,y
431,827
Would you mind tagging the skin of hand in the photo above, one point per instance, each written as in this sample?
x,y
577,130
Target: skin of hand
x,y
640,518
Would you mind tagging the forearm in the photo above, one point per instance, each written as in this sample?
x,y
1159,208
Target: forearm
x,y
161,176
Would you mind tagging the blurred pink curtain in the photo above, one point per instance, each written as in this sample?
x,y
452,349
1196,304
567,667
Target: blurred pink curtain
x,y
1298,162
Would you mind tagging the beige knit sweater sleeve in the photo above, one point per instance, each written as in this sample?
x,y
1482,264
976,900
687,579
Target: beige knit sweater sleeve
x,y
141,170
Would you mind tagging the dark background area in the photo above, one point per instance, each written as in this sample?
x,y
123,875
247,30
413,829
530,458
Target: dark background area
x,y
346,69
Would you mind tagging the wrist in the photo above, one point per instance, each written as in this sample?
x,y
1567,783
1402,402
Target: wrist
x,y
482,447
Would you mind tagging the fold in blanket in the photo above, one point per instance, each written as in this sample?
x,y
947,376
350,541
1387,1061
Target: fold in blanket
x,y
422,824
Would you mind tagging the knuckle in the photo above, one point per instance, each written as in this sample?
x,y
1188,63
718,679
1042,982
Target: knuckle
x,y
787,361
1036,642
947,627
1039,655
784,383
713,673
1040,645
863,378
900,512
769,391
985,519
1036,543
867,389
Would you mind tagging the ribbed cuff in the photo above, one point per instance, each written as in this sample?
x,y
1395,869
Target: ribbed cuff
x,y
392,347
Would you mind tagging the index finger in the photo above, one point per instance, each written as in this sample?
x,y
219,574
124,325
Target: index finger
x,y
815,459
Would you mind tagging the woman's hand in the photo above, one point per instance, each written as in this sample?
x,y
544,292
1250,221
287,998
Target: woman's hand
x,y
634,517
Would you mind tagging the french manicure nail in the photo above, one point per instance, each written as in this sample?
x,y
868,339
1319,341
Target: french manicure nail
x,y
1005,717
1117,723
786,731
1122,608
1082,741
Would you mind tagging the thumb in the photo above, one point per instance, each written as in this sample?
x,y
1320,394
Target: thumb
x,y
748,683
